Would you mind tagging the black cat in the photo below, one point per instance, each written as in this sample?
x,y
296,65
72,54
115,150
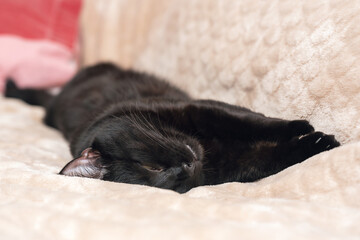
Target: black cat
x,y
130,127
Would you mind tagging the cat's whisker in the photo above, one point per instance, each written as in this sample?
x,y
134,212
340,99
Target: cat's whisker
x,y
163,135
143,124
143,130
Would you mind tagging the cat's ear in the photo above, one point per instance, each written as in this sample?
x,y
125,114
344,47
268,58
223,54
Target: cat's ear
x,y
87,165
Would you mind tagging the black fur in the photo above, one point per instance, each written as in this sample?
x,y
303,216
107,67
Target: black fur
x,y
31,96
131,127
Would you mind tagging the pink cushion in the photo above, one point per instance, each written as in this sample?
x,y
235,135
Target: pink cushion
x,y
34,63
37,41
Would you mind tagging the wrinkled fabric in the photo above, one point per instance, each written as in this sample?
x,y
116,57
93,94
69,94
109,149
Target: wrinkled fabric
x,y
317,199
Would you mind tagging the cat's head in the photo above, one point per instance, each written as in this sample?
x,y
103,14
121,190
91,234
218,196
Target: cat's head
x,y
138,150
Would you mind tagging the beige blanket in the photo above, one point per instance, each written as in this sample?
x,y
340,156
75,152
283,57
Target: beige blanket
x,y
291,59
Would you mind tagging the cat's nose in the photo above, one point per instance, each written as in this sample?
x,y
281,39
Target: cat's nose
x,y
189,168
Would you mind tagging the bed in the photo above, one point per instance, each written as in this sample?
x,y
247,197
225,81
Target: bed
x,y
288,59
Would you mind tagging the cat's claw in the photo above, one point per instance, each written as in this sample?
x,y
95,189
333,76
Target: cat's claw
x,y
300,128
314,143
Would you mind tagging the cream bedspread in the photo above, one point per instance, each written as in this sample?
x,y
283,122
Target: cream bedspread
x,y
291,59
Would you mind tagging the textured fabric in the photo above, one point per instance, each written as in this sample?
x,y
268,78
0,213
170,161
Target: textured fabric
x,y
317,199
292,59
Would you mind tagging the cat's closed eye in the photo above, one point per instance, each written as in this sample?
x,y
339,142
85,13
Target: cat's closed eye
x,y
152,168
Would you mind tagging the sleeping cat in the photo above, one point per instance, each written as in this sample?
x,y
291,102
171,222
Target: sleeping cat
x,y
130,127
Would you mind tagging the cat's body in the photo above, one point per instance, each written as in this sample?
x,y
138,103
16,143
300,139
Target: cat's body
x,y
130,127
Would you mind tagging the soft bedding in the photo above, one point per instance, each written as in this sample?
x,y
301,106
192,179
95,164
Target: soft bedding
x,y
290,59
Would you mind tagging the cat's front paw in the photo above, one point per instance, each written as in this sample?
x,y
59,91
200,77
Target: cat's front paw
x,y
300,128
313,143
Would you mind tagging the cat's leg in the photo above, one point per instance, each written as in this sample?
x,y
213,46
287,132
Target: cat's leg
x,y
229,121
267,158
